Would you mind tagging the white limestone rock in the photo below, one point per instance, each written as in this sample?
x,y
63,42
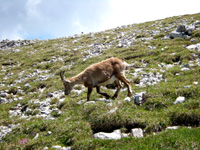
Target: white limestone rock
x,y
115,135
137,132
172,128
180,99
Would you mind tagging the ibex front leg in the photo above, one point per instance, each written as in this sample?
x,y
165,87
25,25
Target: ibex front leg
x,y
90,88
122,78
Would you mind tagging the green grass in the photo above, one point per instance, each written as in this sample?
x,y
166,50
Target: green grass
x,y
76,124
182,138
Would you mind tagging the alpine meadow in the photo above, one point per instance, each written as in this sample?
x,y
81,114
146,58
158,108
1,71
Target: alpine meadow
x,y
163,111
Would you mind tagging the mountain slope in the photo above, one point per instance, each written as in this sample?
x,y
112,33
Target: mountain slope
x,y
165,54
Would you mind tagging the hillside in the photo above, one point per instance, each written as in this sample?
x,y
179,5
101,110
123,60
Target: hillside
x,y
165,79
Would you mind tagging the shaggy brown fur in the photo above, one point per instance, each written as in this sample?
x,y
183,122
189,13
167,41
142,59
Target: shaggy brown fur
x,y
100,74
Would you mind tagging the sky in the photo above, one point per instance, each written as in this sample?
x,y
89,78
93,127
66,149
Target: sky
x,y
50,19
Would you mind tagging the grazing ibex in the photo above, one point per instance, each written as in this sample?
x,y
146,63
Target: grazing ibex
x,y
100,74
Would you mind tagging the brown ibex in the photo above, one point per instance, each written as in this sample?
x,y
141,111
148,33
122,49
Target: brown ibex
x,y
100,74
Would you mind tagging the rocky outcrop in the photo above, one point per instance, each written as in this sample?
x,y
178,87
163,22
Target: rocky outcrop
x,y
184,30
7,44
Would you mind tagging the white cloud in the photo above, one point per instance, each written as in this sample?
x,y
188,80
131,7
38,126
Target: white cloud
x,y
13,34
124,12
32,8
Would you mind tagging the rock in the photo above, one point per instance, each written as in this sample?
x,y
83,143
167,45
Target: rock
x,y
128,99
16,51
181,28
195,83
185,66
193,40
115,135
185,69
169,66
187,86
180,99
49,94
125,135
7,44
139,98
45,148
49,133
195,47
2,100
172,128
189,29
137,132
36,136
56,147
197,22
66,148
104,100
81,102
90,102
112,110
175,34
5,130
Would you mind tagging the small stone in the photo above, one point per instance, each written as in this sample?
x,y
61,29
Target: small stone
x,y
128,99
195,83
137,132
185,69
49,133
66,148
138,98
90,102
56,147
172,128
187,86
81,102
2,100
36,136
49,95
112,110
180,99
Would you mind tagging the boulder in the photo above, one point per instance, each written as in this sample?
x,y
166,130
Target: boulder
x,y
175,34
195,47
139,98
137,132
180,99
181,28
115,135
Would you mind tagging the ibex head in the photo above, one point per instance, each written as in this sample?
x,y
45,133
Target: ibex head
x,y
67,84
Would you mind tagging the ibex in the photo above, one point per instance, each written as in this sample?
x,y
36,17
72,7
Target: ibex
x,y
100,74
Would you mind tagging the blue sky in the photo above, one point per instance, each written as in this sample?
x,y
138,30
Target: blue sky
x,y
48,19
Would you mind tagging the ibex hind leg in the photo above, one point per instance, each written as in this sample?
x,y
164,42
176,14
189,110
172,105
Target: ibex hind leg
x,y
123,79
104,94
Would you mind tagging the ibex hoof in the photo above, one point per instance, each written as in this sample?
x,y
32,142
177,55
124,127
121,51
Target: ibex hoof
x,y
129,94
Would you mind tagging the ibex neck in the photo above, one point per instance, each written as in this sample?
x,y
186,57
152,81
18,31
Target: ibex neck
x,y
77,79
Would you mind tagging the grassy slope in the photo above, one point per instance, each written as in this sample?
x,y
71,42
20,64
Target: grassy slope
x,y
77,131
